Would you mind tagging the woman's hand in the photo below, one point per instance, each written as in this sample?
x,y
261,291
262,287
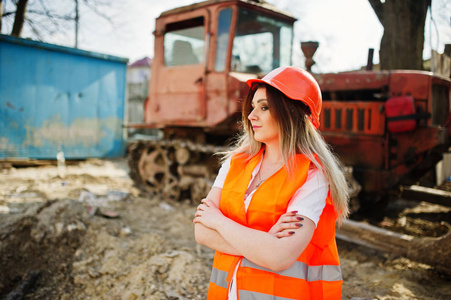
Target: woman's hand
x,y
286,225
208,214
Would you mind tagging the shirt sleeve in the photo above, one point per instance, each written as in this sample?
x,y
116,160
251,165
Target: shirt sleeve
x,y
222,174
310,199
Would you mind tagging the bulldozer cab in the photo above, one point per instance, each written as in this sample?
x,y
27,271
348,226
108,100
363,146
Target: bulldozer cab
x,y
204,52
261,43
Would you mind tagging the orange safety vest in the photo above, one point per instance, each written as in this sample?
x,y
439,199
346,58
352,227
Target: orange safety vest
x,y
315,275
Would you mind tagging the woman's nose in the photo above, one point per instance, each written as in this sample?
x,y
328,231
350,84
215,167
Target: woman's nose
x,y
252,115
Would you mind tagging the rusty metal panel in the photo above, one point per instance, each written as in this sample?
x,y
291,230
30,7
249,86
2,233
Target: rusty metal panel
x,y
405,148
58,98
353,117
362,151
177,94
181,95
360,80
413,83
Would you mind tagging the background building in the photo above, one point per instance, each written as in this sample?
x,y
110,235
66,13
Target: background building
x,y
138,76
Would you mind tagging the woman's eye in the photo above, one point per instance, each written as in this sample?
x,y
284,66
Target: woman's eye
x,y
265,108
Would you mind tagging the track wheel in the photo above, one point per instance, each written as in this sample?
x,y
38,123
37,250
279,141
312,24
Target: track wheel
x,y
171,189
199,189
153,167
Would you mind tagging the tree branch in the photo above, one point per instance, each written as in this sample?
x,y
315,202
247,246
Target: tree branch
x,y
47,13
8,13
97,11
41,13
34,30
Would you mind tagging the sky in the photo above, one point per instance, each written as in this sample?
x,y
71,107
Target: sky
x,y
345,29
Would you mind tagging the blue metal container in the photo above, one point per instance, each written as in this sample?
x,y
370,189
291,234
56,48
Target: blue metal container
x,y
55,98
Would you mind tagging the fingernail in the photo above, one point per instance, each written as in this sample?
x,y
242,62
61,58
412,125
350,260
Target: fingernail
x,y
291,232
298,224
294,211
300,218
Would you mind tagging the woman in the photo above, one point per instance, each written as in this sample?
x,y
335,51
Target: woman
x,y
272,210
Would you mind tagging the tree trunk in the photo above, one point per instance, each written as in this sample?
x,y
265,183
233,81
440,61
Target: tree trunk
x,y
403,39
19,18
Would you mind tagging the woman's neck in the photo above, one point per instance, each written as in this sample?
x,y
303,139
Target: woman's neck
x,y
272,154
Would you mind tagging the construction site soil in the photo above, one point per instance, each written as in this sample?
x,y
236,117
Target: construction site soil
x,y
87,233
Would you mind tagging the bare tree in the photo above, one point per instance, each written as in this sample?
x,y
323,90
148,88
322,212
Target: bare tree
x,y
403,39
46,18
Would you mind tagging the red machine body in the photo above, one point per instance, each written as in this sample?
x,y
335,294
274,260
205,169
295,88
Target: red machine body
x,y
400,111
202,60
387,125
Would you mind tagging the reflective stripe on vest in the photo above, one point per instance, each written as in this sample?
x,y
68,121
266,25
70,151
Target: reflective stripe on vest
x,y
248,295
218,277
300,270
316,273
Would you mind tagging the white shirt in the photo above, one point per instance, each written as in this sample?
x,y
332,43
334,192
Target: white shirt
x,y
309,200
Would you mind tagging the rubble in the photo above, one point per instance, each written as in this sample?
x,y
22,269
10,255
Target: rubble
x,y
148,250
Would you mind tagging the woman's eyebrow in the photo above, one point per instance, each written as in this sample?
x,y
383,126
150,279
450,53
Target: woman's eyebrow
x,y
258,101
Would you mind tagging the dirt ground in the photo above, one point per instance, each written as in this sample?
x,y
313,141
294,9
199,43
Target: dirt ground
x,y
93,235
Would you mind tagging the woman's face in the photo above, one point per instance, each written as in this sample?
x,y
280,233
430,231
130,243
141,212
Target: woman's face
x,y
263,124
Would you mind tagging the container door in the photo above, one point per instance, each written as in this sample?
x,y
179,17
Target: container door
x,y
180,89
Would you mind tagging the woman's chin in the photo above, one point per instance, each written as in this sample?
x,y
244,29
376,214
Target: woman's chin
x,y
258,139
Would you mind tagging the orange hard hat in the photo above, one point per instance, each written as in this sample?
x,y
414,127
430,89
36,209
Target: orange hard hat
x,y
296,84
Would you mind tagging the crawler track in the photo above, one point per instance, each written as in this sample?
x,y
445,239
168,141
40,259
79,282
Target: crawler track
x,y
175,168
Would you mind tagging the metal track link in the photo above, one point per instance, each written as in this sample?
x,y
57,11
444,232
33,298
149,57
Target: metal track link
x,y
177,169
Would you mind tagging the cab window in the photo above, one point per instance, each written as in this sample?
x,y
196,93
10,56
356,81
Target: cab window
x,y
184,43
222,42
261,43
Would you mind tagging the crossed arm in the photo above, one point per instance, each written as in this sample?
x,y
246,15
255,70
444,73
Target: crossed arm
x,y
277,249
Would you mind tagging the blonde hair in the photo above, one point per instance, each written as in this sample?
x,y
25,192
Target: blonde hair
x,y
297,135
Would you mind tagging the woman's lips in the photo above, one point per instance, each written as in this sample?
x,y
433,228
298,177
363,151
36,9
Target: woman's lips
x,y
255,127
